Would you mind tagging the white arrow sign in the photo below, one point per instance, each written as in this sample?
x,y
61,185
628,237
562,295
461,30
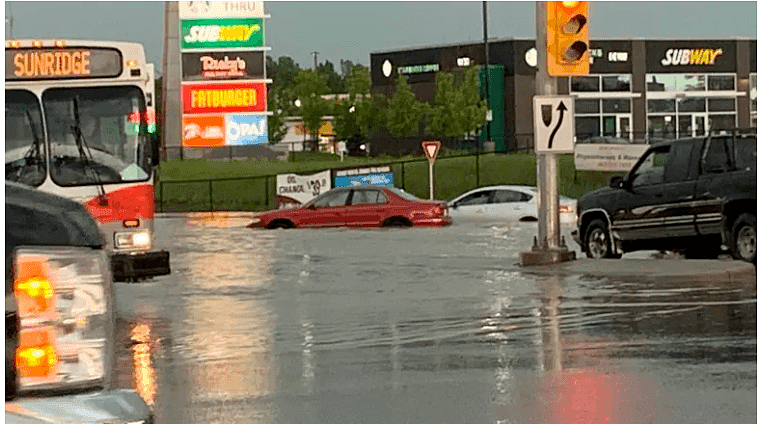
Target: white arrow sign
x,y
553,124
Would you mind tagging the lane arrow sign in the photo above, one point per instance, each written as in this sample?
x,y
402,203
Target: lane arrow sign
x,y
561,108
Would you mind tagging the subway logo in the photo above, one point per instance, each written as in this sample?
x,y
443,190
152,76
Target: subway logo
x,y
224,33
206,33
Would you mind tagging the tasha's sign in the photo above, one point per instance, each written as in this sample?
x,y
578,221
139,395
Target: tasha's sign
x,y
223,65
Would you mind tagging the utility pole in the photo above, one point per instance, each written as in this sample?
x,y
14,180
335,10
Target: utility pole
x,y
486,68
315,58
10,20
550,248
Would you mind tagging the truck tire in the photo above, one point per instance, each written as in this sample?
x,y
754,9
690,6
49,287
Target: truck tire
x,y
597,242
745,237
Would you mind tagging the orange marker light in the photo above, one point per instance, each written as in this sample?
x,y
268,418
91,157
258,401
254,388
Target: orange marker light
x,y
132,63
37,43
36,356
32,286
130,223
14,44
60,44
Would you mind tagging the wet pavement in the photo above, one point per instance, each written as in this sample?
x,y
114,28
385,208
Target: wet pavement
x,y
425,325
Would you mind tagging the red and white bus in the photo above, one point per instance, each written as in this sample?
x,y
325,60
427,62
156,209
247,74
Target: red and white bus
x,y
79,122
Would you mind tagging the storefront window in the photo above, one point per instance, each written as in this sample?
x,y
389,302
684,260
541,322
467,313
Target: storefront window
x,y
722,105
587,106
587,127
616,106
661,105
722,82
675,82
585,84
617,83
753,98
722,122
662,126
692,104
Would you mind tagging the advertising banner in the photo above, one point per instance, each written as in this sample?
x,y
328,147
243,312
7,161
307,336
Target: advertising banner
x,y
203,131
229,97
210,34
294,190
223,65
220,9
384,179
246,129
607,157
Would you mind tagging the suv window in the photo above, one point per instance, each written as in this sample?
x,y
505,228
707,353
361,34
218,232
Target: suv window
x,y
332,199
365,197
717,159
746,153
479,198
651,169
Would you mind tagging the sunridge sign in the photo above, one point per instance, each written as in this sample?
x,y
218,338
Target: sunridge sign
x,y
23,64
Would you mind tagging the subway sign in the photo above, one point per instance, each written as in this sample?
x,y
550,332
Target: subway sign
x,y
203,34
223,65
230,97
674,57
63,63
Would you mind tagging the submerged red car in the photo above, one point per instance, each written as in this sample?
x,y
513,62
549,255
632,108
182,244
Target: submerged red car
x,y
358,206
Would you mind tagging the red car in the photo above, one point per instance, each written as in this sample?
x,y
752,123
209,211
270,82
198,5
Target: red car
x,y
358,206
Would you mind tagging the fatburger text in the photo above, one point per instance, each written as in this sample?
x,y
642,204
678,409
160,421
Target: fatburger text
x,y
45,64
691,56
236,97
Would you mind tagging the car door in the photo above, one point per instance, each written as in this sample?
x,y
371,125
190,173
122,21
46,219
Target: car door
x,y
368,208
472,205
327,210
658,200
511,204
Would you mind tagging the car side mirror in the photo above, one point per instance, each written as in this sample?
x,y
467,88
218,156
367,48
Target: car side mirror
x,y
454,206
311,207
617,181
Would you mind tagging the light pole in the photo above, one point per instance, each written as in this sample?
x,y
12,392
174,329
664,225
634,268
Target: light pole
x,y
486,68
315,59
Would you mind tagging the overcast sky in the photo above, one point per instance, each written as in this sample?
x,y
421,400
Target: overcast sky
x,y
352,30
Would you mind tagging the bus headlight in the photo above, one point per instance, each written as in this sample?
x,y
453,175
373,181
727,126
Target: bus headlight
x,y
135,240
66,331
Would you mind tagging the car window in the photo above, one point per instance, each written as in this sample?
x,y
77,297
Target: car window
x,y
404,194
478,198
332,199
508,196
651,170
746,153
366,197
716,159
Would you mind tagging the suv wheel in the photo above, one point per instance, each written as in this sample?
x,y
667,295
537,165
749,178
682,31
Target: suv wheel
x,y
597,243
745,237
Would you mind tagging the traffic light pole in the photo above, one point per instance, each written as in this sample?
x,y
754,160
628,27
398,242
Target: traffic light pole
x,y
549,248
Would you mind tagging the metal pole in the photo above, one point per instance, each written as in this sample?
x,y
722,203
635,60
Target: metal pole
x,y
547,163
486,70
431,180
267,192
403,176
477,169
211,194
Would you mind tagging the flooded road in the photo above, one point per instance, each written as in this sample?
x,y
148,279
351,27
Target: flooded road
x,y
431,325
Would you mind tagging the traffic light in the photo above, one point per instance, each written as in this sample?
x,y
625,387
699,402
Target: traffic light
x,y
568,38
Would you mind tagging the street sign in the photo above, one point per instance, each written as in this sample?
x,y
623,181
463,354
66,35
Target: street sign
x,y
553,124
431,148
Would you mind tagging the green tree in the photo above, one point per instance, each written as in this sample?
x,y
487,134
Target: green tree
x,y
309,86
280,104
404,110
283,72
334,81
344,121
457,109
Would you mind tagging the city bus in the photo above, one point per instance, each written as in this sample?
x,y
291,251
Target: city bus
x,y
79,123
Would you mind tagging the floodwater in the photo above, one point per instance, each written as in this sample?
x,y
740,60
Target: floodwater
x,y
421,325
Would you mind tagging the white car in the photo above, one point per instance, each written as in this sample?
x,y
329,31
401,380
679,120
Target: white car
x,y
506,202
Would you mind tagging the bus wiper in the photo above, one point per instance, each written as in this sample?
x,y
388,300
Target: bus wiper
x,y
34,149
84,150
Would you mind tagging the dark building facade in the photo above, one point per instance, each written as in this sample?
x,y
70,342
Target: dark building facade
x,y
637,89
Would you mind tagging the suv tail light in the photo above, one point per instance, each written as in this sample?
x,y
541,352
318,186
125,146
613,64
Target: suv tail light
x,y
66,329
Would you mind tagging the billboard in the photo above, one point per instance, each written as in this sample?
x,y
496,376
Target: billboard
x,y
228,97
246,129
294,190
219,130
380,175
211,34
203,131
223,65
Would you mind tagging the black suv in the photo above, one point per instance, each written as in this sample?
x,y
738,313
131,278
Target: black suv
x,y
692,195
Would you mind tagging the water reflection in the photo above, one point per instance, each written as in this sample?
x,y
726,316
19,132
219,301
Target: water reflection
x,y
144,375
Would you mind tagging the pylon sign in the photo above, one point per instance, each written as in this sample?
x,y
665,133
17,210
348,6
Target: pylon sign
x,y
431,148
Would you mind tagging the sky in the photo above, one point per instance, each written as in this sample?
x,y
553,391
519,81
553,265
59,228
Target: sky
x,y
351,30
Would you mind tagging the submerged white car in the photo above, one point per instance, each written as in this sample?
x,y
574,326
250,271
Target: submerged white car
x,y
506,202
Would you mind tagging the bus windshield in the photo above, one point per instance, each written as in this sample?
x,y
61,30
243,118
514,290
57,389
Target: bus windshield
x,y
97,135
24,139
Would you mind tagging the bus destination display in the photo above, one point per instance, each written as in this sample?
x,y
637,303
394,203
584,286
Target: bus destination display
x,y
38,64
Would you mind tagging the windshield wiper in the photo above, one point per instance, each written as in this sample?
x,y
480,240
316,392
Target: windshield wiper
x,y
34,149
84,150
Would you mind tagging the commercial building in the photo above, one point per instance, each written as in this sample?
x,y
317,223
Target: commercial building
x,y
637,89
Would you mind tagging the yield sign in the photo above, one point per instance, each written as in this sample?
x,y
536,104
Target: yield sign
x,y
431,148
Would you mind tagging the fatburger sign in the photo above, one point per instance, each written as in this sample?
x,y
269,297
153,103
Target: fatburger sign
x,y
233,97
223,65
